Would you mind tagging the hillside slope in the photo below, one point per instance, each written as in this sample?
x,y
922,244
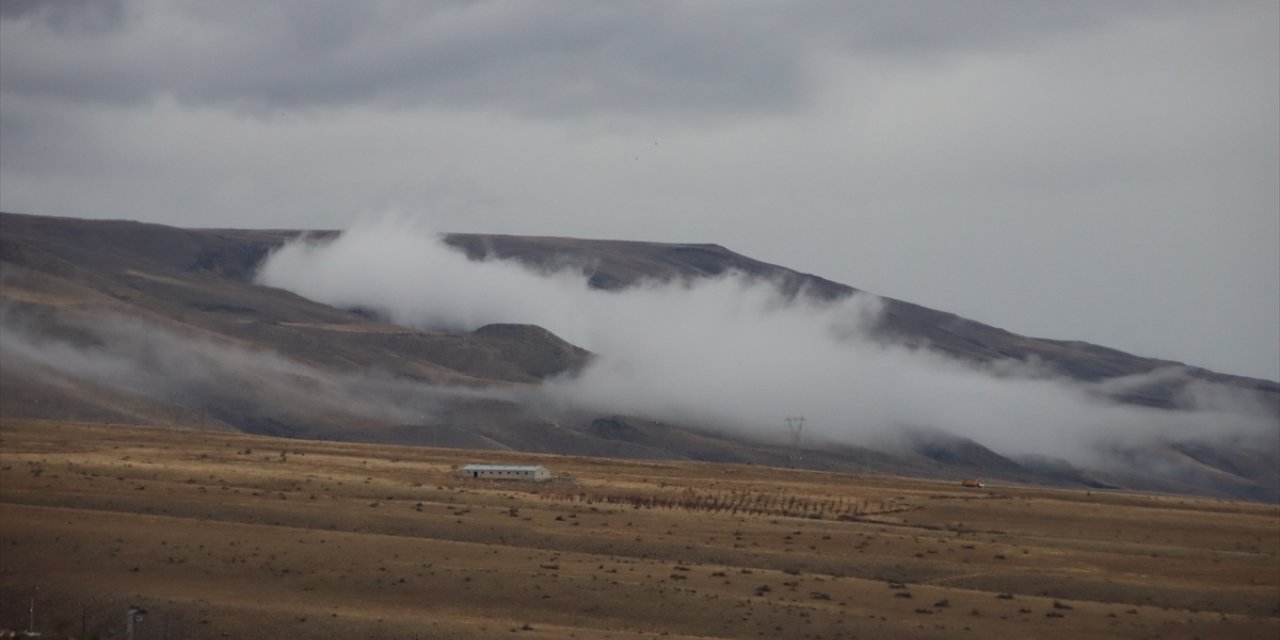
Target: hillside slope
x,y
116,321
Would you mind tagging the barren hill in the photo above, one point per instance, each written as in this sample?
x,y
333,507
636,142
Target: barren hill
x,y
124,322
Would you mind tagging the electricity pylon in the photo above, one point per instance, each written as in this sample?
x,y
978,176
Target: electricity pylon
x,y
795,426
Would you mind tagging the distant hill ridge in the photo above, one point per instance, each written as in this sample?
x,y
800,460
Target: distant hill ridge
x,y
60,274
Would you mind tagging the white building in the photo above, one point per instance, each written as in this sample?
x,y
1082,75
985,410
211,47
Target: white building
x,y
531,473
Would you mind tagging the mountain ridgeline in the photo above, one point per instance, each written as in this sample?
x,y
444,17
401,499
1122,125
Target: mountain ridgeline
x,y
131,323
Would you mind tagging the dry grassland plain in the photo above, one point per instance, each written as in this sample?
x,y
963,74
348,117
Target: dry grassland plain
x,y
223,535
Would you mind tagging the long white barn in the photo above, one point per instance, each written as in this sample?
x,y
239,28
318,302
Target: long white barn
x,y
531,473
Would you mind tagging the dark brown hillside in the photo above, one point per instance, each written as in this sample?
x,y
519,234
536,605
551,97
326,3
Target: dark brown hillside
x,y
234,254
124,322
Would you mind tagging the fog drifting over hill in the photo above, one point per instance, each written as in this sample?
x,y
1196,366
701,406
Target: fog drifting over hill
x,y
207,374
736,354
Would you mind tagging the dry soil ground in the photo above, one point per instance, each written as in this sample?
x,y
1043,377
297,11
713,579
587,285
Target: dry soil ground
x,y
223,535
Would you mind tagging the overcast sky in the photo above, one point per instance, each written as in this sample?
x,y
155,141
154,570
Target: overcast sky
x,y
1106,171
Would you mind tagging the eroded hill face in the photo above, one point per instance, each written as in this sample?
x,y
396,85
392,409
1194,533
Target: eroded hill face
x,y
111,321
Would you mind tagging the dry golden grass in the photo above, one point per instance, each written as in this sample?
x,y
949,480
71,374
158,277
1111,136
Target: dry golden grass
x,y
225,535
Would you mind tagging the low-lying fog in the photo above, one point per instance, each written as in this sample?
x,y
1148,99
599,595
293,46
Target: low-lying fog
x,y
243,386
736,354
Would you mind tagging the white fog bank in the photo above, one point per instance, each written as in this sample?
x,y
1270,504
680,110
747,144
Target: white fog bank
x,y
734,353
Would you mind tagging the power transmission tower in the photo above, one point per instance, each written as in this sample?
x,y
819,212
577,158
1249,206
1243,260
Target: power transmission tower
x,y
795,426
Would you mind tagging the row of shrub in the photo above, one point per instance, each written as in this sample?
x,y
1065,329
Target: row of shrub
x,y
732,502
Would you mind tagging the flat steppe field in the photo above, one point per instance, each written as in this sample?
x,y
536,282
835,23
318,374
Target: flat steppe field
x,y
220,535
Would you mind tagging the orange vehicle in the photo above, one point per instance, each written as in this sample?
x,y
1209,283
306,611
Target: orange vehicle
x,y
973,482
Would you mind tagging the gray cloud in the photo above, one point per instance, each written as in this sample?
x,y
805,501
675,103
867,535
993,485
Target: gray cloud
x,y
66,17
547,58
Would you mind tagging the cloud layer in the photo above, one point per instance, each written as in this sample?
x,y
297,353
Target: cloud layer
x,y
547,59
734,354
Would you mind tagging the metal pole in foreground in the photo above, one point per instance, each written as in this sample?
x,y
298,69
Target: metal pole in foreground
x,y
31,626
